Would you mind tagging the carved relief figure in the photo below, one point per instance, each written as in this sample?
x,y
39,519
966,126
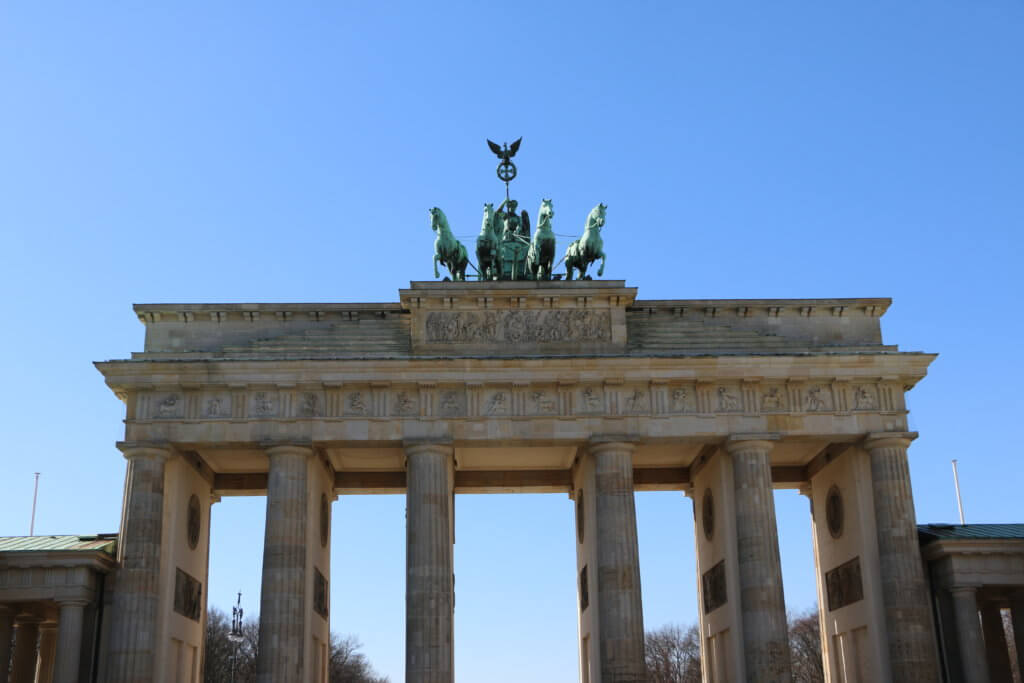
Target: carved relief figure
x,y
356,404
262,403
636,402
213,407
308,405
772,399
518,326
863,399
591,398
680,399
815,399
727,401
404,404
543,402
169,406
498,404
450,403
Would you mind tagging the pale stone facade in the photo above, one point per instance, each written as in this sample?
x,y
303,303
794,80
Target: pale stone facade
x,y
571,387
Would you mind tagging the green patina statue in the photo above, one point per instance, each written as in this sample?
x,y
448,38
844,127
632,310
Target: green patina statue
x,y
447,250
542,247
487,246
587,249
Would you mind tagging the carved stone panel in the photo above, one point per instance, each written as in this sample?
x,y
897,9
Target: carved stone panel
x,y
451,402
728,399
215,406
682,399
865,397
168,405
518,327
188,595
818,398
308,404
590,400
541,401
264,404
405,403
773,399
497,403
713,587
636,401
194,522
357,403
320,593
844,585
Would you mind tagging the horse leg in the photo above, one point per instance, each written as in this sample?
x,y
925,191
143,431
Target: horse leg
x,y
600,271
436,257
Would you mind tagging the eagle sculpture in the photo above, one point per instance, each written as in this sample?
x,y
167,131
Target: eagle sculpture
x,y
508,152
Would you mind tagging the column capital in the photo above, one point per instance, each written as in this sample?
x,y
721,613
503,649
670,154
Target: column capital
x,y
145,449
290,448
963,589
415,447
72,602
611,442
736,443
888,440
48,626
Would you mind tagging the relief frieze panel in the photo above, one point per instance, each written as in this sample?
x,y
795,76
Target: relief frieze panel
x,y
682,399
216,406
590,400
264,404
773,399
517,326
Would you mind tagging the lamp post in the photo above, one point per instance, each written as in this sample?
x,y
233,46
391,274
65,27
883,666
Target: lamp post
x,y
236,633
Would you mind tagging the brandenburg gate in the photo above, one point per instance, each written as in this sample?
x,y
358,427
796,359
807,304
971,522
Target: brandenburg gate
x,y
577,388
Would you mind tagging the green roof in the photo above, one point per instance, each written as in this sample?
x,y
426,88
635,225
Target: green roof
x,y
101,542
938,532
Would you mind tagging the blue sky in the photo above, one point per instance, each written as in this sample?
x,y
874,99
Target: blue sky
x,y
201,152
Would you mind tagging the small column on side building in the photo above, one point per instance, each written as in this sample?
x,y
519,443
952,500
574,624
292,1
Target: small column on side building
x,y
6,631
908,620
765,631
283,596
133,633
969,636
26,636
608,565
69,641
429,577
47,650
996,650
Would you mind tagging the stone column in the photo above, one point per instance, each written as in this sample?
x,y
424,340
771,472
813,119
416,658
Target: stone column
x,y
26,635
429,579
996,651
968,632
133,628
763,605
283,593
6,630
47,650
69,641
620,606
908,619
1017,617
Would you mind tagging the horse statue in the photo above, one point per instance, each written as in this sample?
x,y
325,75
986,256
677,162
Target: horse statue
x,y
542,246
488,253
587,249
447,250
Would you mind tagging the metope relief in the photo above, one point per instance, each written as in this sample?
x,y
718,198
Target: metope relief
x,y
637,401
308,404
170,406
405,404
542,402
216,406
772,399
864,398
497,403
681,400
517,327
263,404
729,400
357,403
818,399
591,400
451,402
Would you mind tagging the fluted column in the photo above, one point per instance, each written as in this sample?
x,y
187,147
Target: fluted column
x,y
282,597
620,606
69,641
1017,618
26,635
132,649
6,630
912,652
762,603
968,633
997,653
47,650
429,589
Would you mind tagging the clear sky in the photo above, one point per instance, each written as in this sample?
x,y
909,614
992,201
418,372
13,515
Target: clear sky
x,y
225,152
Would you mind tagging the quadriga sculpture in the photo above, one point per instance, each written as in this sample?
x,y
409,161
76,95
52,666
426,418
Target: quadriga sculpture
x,y
447,250
542,246
588,248
487,247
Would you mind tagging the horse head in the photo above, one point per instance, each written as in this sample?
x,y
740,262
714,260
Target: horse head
x,y
438,221
595,220
487,225
546,213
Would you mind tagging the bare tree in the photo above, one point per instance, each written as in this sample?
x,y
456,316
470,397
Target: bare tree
x,y
805,647
226,660
672,655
